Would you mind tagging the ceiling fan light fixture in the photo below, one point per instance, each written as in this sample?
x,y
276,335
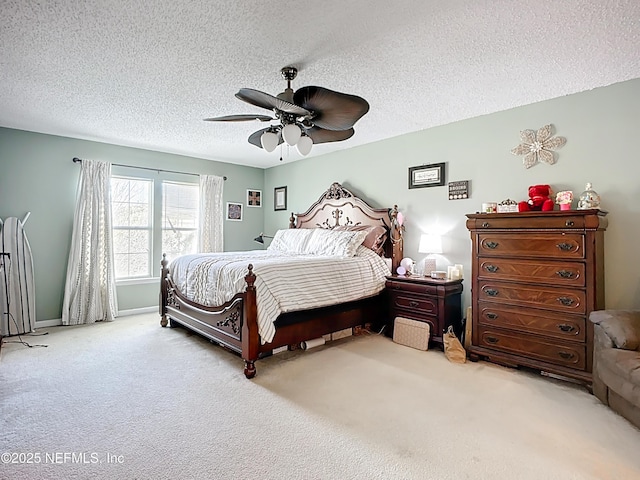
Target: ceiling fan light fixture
x,y
304,145
291,133
269,141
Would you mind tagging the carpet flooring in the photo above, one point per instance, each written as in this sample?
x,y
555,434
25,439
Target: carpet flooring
x,y
131,400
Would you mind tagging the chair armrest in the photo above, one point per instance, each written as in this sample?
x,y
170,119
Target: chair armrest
x,y
600,338
621,326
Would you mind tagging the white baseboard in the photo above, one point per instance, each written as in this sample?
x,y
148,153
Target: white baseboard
x,y
55,322
137,311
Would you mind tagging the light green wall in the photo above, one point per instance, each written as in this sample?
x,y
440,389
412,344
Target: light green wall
x,y
38,176
601,126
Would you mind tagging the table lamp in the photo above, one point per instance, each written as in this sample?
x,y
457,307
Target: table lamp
x,y
430,244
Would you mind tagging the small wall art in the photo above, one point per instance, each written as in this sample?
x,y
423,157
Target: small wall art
x,y
427,175
459,190
538,146
234,211
280,198
254,198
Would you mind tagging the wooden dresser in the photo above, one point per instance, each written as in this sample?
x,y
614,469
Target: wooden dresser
x,y
536,276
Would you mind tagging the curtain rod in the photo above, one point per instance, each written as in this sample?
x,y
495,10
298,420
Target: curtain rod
x,y
79,160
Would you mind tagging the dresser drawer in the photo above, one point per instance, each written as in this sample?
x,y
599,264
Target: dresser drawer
x,y
527,221
545,350
540,322
556,299
542,245
553,273
418,305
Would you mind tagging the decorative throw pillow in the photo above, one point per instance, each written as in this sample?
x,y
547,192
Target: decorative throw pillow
x,y
292,240
337,243
376,235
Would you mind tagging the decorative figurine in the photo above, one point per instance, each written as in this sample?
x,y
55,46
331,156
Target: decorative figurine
x,y
588,199
564,199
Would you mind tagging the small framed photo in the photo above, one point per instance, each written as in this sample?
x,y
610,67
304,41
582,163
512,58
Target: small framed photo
x,y
280,198
234,211
254,198
426,175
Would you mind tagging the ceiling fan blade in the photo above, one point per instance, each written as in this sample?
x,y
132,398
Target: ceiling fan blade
x,y
264,100
240,118
254,138
321,135
332,110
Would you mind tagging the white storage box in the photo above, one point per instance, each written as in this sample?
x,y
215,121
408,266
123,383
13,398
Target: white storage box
x,y
411,333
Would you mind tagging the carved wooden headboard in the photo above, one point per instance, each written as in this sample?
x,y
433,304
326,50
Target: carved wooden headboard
x,y
338,206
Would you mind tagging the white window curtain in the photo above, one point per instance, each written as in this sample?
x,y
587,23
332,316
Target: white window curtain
x,y
90,288
210,237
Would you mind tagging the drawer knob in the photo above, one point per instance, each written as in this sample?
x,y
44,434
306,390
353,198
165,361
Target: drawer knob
x,y
569,223
566,301
485,224
414,304
566,355
491,245
492,292
492,339
566,328
491,315
565,274
491,268
565,247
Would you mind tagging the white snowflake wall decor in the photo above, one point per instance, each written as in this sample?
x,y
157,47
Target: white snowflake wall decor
x,y
538,146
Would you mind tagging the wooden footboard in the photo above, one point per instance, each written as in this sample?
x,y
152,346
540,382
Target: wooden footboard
x,y
234,324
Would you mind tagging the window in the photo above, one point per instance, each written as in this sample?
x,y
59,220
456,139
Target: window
x,y
179,218
132,215
151,217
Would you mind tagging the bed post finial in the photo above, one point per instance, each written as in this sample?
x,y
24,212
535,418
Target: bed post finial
x,y
250,278
292,221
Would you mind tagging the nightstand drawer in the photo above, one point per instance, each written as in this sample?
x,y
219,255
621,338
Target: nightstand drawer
x,y
419,305
412,286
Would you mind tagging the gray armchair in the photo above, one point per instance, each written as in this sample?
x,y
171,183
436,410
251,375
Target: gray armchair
x,y
616,361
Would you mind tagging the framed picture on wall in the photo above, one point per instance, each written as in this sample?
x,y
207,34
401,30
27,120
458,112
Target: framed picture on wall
x,y
234,211
254,198
280,198
426,175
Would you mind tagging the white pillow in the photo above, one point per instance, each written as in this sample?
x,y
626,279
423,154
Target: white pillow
x,y
292,240
336,243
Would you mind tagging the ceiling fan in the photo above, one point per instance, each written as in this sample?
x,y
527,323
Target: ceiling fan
x,y
308,116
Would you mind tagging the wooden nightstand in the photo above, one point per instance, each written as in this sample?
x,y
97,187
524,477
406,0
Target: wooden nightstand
x,y
437,302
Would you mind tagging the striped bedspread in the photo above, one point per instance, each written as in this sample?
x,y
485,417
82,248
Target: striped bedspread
x,y
285,282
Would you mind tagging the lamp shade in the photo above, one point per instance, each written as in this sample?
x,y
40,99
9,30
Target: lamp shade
x,y
260,238
304,145
291,133
269,141
430,243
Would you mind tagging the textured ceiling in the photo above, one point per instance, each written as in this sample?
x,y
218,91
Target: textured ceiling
x,y
145,74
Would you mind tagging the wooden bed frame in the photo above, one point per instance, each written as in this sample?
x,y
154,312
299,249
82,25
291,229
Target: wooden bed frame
x,y
234,325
